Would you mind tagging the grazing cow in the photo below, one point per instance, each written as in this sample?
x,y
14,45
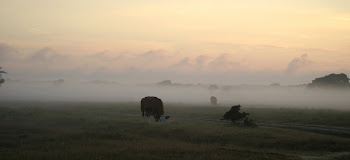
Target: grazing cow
x,y
153,106
213,100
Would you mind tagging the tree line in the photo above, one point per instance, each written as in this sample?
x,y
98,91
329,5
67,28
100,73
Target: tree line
x,y
2,80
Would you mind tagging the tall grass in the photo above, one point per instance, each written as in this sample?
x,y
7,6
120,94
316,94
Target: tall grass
x,y
89,130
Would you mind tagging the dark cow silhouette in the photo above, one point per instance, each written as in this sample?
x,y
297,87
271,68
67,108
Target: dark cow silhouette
x,y
153,106
213,100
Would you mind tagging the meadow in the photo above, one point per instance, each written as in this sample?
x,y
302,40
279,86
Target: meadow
x,y
115,130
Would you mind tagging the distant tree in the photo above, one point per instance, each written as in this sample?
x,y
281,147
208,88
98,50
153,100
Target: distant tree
x,y
213,100
234,115
249,122
275,84
58,82
1,79
213,87
332,80
165,82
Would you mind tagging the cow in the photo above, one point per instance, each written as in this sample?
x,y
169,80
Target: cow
x,y
153,106
213,100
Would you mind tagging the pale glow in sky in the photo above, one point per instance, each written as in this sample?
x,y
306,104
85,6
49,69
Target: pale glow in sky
x,y
288,39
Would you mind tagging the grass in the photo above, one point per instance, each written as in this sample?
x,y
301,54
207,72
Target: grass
x,y
101,130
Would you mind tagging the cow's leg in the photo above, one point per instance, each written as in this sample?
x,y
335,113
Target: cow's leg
x,y
157,117
148,119
162,118
143,116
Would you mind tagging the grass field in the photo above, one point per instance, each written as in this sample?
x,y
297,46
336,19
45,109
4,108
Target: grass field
x,y
116,130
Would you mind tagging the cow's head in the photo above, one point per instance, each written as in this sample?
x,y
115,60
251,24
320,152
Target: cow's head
x,y
163,118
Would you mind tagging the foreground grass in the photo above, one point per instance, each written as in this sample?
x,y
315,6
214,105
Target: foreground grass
x,y
72,130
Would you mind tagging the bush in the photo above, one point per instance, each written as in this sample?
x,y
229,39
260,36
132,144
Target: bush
x,y
234,115
1,79
333,80
249,122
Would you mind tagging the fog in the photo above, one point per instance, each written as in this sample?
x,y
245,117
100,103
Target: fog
x,y
297,96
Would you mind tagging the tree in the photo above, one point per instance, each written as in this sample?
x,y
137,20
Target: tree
x,y
1,79
275,85
332,80
58,82
213,100
234,115
165,83
249,122
213,87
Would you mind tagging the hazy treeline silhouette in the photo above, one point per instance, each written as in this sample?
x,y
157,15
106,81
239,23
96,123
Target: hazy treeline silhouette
x,y
1,79
235,115
69,89
333,80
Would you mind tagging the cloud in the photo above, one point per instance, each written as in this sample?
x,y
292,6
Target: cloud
x,y
223,63
106,56
153,54
46,55
152,64
202,61
7,52
185,61
151,60
182,65
298,63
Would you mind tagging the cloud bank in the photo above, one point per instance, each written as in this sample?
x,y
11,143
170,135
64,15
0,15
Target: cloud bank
x,y
298,64
155,65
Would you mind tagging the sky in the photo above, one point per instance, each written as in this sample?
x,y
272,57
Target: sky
x,y
192,41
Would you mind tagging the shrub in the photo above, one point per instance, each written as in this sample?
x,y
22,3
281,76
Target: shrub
x,y
234,115
249,122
